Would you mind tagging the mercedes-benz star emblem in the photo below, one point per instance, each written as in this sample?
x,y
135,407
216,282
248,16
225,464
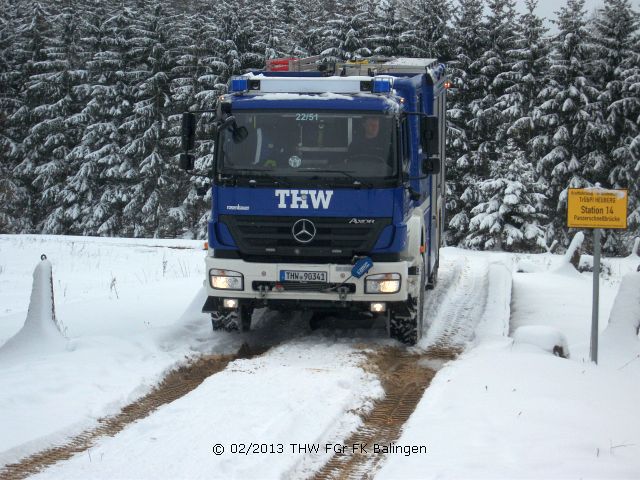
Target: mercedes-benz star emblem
x,y
303,230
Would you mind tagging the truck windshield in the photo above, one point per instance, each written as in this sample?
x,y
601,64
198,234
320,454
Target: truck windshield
x,y
309,144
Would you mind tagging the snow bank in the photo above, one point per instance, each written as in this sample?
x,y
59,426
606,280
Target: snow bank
x,y
516,412
569,260
507,409
103,286
561,299
120,340
495,320
625,314
40,334
619,342
547,338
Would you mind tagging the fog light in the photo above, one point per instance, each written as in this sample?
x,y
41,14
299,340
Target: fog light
x,y
230,303
382,283
378,307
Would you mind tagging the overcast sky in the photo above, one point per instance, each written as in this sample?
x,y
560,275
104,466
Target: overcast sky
x,y
547,8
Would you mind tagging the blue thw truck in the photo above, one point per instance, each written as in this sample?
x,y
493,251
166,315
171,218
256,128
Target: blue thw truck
x,y
327,191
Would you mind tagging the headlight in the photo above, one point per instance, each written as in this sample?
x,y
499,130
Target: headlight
x,y
226,279
382,283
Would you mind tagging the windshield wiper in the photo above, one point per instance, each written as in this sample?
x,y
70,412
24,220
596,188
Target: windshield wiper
x,y
356,181
260,173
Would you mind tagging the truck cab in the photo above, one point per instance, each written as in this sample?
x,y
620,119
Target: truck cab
x,y
327,192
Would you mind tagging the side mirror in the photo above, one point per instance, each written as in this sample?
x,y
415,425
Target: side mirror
x,y
429,137
240,134
220,125
188,131
186,161
431,166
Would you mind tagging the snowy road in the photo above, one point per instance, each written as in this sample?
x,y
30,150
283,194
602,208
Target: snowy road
x,y
300,401
308,388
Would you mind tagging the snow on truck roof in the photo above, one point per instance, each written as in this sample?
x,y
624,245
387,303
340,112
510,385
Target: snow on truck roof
x,y
412,62
358,101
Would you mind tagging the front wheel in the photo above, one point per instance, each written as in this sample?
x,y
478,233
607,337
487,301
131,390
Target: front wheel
x,y
433,278
232,320
405,322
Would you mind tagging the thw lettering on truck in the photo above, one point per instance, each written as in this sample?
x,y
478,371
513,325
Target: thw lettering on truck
x,y
299,198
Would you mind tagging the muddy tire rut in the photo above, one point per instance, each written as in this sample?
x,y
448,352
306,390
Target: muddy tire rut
x,y
176,384
457,305
404,378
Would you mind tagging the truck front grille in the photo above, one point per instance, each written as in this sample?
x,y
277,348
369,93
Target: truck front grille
x,y
273,236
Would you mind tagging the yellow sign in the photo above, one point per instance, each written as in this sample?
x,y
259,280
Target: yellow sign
x,y
597,208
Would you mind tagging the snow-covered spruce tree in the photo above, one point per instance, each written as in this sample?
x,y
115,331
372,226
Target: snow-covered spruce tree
x,y
287,15
96,185
300,22
52,94
632,87
348,33
10,79
235,26
529,58
195,84
508,216
66,130
271,34
311,16
468,44
529,70
567,118
616,67
149,168
211,82
276,27
388,29
29,50
494,77
14,199
428,34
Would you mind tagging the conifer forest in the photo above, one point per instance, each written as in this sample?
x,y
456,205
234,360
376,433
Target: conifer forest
x,y
91,97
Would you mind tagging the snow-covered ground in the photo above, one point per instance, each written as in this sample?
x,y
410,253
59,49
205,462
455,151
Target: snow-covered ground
x,y
120,345
504,409
509,409
117,302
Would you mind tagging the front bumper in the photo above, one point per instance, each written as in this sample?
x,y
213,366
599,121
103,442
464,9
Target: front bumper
x,y
260,278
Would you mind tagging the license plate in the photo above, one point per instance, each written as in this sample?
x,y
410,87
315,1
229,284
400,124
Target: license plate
x,y
302,276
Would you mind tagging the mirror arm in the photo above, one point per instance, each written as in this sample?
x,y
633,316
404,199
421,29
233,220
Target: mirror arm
x,y
200,175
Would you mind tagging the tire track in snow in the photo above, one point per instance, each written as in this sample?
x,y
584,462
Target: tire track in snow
x,y
404,380
176,384
457,305
459,309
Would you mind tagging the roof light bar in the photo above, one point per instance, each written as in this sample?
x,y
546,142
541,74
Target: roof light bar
x,y
239,84
381,85
243,84
308,85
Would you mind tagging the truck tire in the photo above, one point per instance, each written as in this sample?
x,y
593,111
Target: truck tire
x,y
406,325
433,278
232,320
